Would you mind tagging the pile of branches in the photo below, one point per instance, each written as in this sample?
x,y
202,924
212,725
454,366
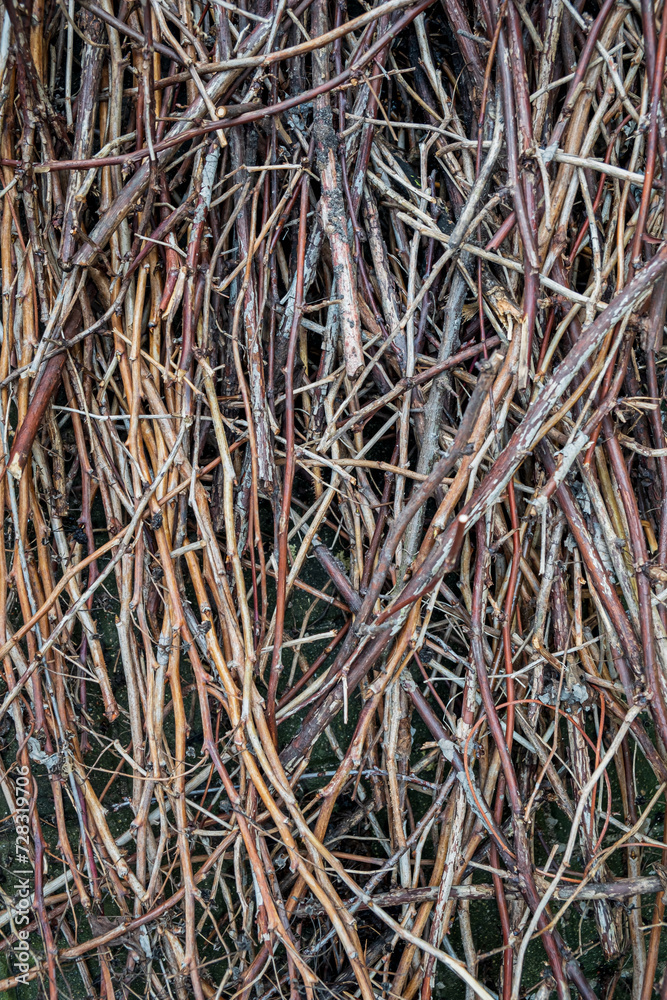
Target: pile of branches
x,y
334,478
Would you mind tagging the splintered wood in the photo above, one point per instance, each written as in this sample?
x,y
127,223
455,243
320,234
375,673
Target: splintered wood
x,y
333,613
